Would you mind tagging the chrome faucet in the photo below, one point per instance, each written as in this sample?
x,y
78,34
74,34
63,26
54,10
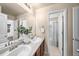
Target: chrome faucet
x,y
5,45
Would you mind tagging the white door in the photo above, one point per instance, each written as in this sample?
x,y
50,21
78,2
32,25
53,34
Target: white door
x,y
3,28
60,33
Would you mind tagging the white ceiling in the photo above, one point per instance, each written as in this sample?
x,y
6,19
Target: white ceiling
x,y
40,5
12,8
15,9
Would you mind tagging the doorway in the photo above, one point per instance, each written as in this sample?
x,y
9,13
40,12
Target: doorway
x,y
57,31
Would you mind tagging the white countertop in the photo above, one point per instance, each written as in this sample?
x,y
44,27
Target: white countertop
x,y
34,45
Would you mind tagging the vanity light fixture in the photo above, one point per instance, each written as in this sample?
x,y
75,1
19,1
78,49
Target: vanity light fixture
x,y
27,5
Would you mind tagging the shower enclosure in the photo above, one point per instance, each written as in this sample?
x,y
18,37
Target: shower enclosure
x,y
56,33
53,32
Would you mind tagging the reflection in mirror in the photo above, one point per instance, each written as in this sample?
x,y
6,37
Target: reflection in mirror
x,y
27,20
3,28
9,32
8,27
24,28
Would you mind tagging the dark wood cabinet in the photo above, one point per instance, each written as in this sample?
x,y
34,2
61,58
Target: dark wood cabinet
x,y
40,50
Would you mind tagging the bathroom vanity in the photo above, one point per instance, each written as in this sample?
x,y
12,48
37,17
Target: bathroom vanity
x,y
17,47
40,50
34,48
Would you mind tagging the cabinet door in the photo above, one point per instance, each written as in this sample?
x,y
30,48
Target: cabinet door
x,y
42,49
38,52
3,28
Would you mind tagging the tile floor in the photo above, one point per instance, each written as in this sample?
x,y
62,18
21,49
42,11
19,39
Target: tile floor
x,y
54,51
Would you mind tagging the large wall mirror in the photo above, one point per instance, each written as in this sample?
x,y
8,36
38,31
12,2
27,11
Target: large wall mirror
x,y
8,27
27,21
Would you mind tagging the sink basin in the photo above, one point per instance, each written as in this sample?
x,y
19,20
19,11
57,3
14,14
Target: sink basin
x,y
36,40
3,50
22,50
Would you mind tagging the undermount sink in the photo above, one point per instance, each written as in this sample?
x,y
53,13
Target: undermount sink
x,y
3,50
20,51
36,40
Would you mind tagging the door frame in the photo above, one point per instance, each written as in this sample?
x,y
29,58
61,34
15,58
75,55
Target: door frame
x,y
64,11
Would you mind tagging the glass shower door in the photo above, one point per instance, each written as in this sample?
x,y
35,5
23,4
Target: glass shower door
x,y
53,32
56,38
